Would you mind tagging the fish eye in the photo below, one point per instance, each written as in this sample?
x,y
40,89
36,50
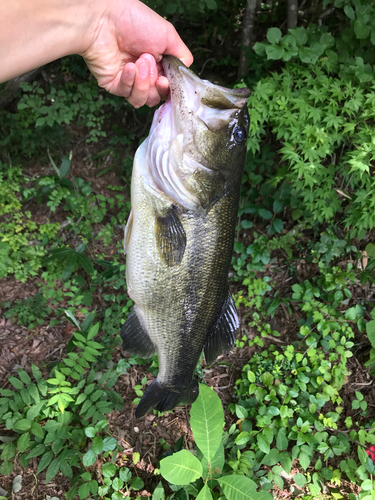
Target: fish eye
x,y
239,134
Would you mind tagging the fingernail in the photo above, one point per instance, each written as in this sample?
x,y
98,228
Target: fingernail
x,y
143,69
130,72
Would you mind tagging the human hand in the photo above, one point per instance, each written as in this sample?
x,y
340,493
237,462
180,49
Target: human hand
x,y
125,53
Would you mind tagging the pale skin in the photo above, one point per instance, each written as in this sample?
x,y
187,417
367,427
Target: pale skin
x,y
122,42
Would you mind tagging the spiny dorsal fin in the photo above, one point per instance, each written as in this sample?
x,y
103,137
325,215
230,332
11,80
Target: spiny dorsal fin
x,y
135,339
170,237
222,335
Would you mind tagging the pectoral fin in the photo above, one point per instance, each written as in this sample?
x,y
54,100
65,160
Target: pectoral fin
x,y
222,335
170,237
128,231
135,339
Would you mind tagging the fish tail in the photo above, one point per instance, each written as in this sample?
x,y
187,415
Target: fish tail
x,y
161,398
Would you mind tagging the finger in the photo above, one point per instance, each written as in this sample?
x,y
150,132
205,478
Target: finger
x,y
162,86
127,80
142,82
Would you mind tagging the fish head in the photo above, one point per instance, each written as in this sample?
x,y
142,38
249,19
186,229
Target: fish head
x,y
197,142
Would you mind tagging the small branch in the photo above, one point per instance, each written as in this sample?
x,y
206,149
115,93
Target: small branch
x,y
247,36
292,13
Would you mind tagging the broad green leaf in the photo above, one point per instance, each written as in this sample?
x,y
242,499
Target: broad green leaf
x,y
304,460
16,383
97,444
158,493
117,484
23,442
263,443
38,450
53,469
45,460
207,421
89,458
281,440
24,376
109,470
300,480
286,461
181,468
216,464
370,330
272,458
205,493
136,483
274,35
84,491
241,488
109,444
22,425
274,52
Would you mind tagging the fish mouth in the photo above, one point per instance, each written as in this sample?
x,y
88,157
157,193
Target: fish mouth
x,y
193,107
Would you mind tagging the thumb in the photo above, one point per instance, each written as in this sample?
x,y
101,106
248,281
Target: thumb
x,y
176,47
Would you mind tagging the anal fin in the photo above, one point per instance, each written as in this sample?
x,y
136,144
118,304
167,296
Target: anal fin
x,y
170,237
222,335
134,337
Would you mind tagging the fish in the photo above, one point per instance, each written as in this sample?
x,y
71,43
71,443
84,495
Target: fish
x,y
179,236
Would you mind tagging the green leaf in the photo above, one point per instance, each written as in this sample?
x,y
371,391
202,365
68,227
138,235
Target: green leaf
x,y
241,488
370,330
272,458
274,52
351,313
69,267
204,494
84,491
246,224
117,484
93,331
37,374
72,318
97,444
158,493
361,30
109,444
37,429
38,450
65,165
304,460
263,443
45,460
207,421
181,468
274,35
24,376
89,458
90,432
300,480
16,383
34,411
281,440
23,442
109,470
53,469
22,425
241,412
136,483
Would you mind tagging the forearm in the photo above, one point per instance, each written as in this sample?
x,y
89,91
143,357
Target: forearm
x,y
35,32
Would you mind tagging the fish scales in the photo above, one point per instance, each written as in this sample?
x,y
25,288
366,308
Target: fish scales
x,y
179,237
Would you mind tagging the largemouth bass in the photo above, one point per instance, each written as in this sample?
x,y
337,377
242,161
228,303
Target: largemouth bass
x,y
179,237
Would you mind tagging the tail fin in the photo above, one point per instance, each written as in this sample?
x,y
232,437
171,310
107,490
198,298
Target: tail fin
x,y
161,398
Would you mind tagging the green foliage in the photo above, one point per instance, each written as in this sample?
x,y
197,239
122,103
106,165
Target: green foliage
x,y
321,116
199,475
55,419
